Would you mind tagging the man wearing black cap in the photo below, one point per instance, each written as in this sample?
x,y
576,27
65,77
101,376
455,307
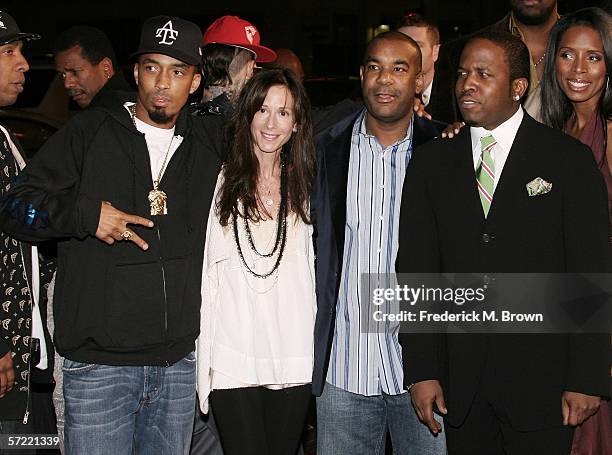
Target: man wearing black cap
x,y
26,352
127,188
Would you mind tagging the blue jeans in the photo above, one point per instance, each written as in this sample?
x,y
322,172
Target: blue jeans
x,y
129,409
353,424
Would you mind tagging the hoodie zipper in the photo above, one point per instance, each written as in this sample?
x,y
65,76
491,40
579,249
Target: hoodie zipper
x,y
26,416
160,258
161,261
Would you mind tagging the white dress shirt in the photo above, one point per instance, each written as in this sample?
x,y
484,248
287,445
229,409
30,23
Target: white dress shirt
x,y
504,134
426,95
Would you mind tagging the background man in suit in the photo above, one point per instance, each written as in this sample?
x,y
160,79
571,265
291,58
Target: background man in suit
x,y
85,58
362,161
425,33
466,208
531,21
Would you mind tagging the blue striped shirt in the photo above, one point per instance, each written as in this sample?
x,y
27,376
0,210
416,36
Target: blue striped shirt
x,y
360,362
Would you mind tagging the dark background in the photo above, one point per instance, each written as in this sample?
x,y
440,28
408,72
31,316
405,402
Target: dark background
x,y
328,36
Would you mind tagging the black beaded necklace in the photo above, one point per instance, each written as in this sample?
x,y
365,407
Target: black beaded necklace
x,y
281,229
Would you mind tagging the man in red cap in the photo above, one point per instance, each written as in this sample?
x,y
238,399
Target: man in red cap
x,y
231,49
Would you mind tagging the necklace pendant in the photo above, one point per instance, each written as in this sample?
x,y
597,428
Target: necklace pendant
x,y
157,199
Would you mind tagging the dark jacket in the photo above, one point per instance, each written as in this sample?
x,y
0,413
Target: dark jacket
x,y
328,206
218,106
16,308
115,87
443,229
217,113
116,304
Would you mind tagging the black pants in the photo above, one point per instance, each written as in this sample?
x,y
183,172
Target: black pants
x,y
205,438
487,430
259,421
42,420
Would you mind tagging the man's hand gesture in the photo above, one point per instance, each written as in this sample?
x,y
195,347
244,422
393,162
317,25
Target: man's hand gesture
x,y
113,226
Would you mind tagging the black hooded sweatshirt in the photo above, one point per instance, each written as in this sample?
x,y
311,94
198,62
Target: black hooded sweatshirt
x,y
116,304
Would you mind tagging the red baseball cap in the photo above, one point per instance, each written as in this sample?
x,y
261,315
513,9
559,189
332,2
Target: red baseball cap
x,y
233,31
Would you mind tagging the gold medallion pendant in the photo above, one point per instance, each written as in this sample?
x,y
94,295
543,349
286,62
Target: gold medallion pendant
x,y
157,199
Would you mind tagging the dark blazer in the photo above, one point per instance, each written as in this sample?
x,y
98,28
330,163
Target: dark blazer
x,y
328,207
115,87
440,107
443,229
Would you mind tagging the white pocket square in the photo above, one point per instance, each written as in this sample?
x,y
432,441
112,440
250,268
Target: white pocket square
x,y
538,186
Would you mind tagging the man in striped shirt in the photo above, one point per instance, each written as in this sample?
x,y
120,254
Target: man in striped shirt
x,y
362,162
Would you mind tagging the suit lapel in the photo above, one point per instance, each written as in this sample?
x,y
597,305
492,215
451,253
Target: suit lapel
x,y
422,131
512,172
465,183
337,156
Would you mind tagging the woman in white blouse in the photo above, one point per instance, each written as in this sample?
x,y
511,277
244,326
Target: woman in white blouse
x,y
255,350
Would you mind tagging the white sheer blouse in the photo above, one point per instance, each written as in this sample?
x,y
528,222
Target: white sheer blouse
x,y
253,331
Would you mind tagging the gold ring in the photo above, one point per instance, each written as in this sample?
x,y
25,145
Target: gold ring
x,y
125,235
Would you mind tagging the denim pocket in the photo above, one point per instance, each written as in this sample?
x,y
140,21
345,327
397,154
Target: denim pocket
x,y
191,357
72,367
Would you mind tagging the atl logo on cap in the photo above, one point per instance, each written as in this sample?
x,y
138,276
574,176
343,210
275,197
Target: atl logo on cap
x,y
167,34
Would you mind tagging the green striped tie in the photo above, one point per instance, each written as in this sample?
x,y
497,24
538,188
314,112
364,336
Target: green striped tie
x,y
485,173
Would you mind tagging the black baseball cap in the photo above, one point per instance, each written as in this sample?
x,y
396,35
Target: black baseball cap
x,y
9,31
171,36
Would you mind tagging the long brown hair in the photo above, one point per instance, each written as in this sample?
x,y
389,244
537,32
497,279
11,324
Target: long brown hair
x,y
238,192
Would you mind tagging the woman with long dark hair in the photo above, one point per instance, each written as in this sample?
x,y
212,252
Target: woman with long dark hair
x,y
577,98
255,350
576,86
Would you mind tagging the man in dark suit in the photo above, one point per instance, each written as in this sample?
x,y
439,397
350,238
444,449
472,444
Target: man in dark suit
x,y
85,58
467,207
426,34
362,161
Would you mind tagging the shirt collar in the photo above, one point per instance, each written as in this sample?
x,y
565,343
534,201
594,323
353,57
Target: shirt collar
x,y
504,134
426,96
360,129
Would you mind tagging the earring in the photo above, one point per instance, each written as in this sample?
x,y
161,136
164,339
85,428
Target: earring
x,y
516,97
295,129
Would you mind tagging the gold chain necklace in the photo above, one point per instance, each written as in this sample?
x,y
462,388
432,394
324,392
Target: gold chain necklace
x,y
157,198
